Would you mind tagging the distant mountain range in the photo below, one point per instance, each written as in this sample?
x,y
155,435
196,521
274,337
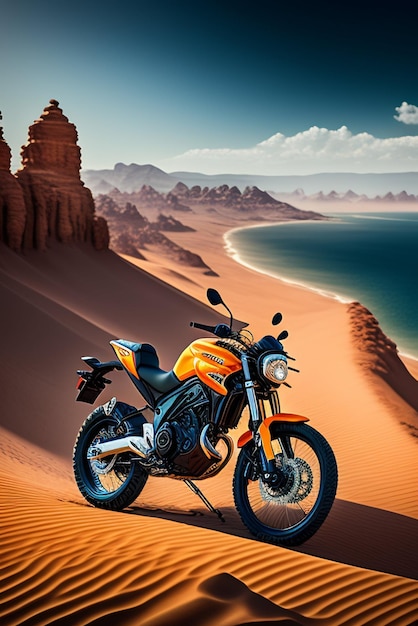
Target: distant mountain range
x,y
129,178
350,196
135,232
251,204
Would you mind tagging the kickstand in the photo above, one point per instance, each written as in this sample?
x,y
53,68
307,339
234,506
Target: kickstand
x,y
197,491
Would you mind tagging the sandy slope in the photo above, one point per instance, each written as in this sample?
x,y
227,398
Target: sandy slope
x,y
64,562
165,561
67,303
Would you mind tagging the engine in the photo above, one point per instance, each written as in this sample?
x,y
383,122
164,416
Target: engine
x,y
178,438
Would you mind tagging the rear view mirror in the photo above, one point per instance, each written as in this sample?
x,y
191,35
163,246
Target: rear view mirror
x,y
277,318
214,297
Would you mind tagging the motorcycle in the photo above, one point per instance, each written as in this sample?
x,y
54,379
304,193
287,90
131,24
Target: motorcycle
x,y
285,478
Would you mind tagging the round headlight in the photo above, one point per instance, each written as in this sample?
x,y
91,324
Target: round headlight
x,y
274,367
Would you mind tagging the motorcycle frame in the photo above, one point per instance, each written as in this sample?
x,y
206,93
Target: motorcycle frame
x,y
225,410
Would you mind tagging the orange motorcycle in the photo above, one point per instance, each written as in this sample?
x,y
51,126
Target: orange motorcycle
x,y
285,479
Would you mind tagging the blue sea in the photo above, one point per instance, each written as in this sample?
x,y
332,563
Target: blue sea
x,y
369,257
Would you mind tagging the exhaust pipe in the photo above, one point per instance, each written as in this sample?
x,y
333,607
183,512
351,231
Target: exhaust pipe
x,y
107,448
140,445
207,447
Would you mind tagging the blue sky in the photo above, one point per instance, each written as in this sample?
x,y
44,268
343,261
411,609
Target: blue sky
x,y
264,87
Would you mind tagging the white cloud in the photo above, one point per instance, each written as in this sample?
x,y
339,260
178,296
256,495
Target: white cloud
x,y
313,150
407,113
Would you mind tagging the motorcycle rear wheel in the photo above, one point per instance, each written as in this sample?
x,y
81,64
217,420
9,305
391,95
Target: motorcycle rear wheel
x,y
113,482
292,512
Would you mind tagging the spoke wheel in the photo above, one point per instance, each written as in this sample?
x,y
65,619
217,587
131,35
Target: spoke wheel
x,y
289,508
112,482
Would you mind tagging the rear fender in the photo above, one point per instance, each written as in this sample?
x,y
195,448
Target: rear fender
x,y
265,433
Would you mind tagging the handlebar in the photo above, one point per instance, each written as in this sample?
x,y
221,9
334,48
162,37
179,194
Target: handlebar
x,y
210,329
220,330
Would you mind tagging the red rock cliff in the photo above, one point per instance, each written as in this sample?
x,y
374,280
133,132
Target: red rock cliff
x,y
54,202
12,204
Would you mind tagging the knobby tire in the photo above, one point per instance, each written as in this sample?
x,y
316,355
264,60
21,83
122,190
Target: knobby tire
x,y
88,482
301,531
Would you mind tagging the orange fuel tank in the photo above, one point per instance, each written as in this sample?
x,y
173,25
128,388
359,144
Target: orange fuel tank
x,y
210,362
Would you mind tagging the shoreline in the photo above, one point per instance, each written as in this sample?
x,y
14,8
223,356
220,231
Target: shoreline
x,y
235,254
208,240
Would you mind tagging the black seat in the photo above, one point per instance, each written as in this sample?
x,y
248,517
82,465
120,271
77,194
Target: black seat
x,y
148,366
160,380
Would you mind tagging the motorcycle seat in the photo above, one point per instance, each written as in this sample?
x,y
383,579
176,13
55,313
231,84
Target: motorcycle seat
x,y
160,380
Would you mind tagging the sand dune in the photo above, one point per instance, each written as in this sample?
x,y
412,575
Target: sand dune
x,y
66,562
167,560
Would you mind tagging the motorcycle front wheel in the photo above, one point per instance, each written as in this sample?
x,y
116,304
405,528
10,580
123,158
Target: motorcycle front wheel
x,y
112,482
288,508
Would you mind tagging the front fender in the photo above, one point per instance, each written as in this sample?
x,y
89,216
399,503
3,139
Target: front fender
x,y
265,434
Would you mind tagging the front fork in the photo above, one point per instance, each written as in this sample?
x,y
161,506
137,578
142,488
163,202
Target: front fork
x,y
267,466
260,426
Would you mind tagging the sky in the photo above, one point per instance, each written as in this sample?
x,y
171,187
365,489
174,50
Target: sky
x,y
266,87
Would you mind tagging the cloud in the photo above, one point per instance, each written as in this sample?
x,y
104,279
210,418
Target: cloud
x,y
407,113
311,151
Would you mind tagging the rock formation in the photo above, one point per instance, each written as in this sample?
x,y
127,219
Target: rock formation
x,y
349,196
131,232
12,204
252,202
53,203
148,198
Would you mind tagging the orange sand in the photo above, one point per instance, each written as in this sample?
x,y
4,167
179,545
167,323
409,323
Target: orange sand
x,y
167,560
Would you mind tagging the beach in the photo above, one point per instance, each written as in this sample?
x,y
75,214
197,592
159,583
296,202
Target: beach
x,y
168,560
369,257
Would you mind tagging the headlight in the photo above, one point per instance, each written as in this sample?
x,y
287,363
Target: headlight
x,y
274,367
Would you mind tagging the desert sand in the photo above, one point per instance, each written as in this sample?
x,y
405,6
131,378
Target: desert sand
x,y
167,560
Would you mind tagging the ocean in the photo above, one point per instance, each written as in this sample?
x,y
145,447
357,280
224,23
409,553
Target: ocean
x,y
369,257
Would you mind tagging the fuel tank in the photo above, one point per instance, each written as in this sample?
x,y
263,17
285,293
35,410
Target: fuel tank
x,y
210,362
